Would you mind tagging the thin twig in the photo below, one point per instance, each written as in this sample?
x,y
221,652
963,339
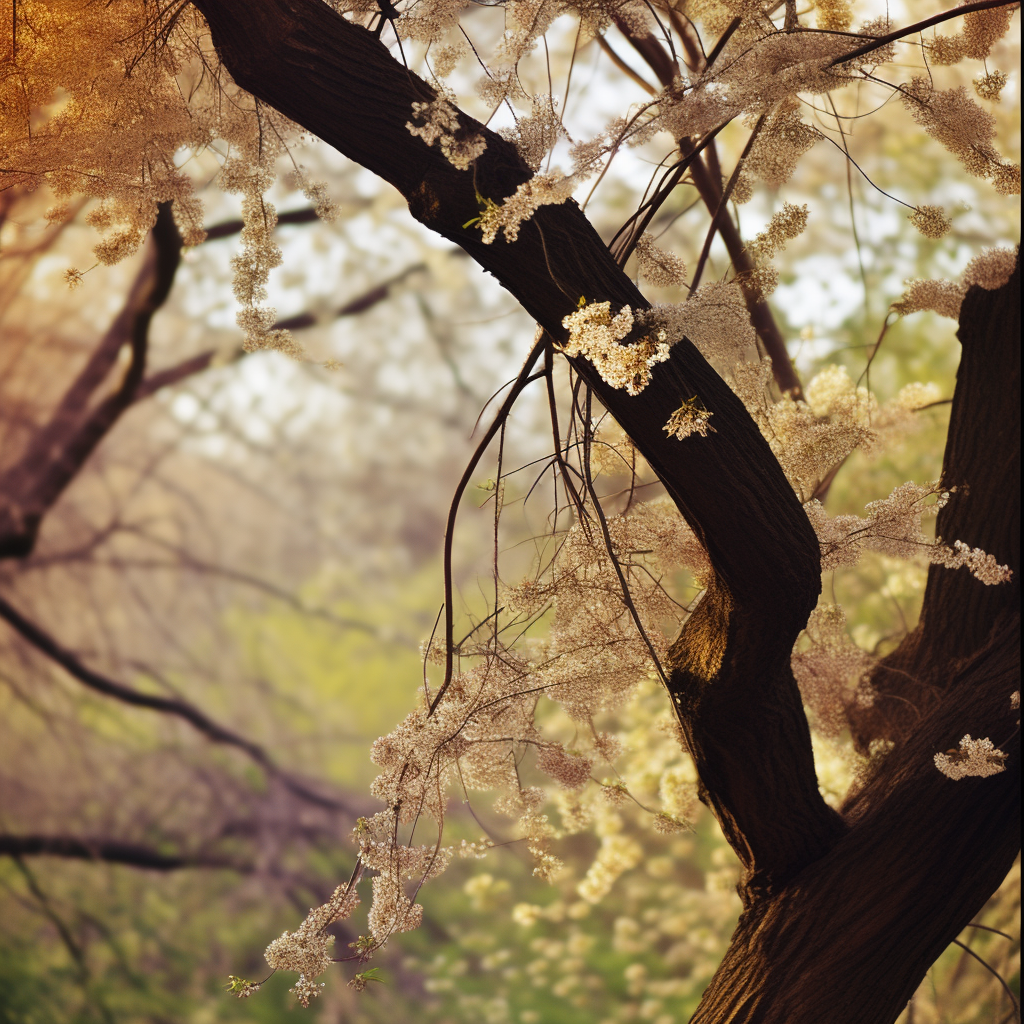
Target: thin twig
x,y
521,382
936,19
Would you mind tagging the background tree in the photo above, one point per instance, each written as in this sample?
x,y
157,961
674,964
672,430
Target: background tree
x,y
817,926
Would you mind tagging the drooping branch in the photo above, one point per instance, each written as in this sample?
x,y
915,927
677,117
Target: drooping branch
x,y
292,52
198,719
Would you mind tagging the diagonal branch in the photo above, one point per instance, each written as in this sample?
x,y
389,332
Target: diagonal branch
x,y
920,26
711,193
172,375
199,720
340,83
57,452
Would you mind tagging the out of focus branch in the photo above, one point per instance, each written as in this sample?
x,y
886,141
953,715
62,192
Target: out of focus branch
x,y
226,228
58,450
112,851
197,364
198,719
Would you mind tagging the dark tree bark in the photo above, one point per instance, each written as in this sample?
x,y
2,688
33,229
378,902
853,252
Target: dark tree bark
x,y
843,914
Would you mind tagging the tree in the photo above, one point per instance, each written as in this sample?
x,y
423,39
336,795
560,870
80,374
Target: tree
x,y
843,910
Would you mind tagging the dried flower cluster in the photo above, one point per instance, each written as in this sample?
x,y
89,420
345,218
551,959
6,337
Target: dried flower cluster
x,y
784,226
931,221
826,665
977,759
660,268
690,418
965,129
305,950
990,269
508,216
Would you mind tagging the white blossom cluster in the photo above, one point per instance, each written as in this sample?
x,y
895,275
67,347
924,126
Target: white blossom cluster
x,y
508,215
596,335
975,759
306,950
441,125
663,269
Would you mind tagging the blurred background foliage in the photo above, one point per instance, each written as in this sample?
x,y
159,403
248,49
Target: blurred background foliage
x,y
261,538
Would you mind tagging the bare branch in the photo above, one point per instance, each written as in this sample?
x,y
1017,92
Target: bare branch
x,y
113,851
198,719
58,450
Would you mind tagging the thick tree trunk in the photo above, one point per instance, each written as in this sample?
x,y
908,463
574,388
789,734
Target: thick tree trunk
x,y
843,915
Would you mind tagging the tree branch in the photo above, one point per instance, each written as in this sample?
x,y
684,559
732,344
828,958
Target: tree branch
x,y
57,451
710,191
982,463
112,851
172,375
853,935
226,228
920,26
340,83
198,719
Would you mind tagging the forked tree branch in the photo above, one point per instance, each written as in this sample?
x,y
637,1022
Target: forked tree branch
x,y
728,485
711,193
57,452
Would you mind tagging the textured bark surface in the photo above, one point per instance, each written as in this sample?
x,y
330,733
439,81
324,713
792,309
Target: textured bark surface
x,y
982,466
851,937
842,916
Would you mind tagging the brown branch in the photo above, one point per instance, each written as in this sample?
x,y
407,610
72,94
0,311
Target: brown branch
x,y
728,486
524,378
112,851
197,364
57,451
982,463
721,212
920,26
198,719
226,228
711,193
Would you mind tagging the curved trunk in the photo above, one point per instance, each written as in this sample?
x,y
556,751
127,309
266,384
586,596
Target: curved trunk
x,y
843,913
